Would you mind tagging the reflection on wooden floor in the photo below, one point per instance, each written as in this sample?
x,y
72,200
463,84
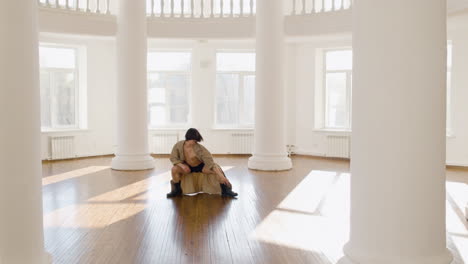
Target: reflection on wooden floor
x,y
95,215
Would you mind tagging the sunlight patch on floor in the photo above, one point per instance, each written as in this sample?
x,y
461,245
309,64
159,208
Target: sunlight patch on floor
x,y
91,215
455,221
313,217
459,192
133,190
337,202
110,207
309,194
72,174
226,168
457,226
301,231
461,243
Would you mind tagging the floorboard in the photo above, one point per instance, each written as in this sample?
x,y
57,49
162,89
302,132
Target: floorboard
x,y
93,214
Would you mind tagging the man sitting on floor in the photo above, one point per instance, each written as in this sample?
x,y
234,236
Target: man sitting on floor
x,y
188,156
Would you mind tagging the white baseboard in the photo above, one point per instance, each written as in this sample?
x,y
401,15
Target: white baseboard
x,y
309,153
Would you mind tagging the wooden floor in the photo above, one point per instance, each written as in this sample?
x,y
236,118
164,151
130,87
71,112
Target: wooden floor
x,y
95,215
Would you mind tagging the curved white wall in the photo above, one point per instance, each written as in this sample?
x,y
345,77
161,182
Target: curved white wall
x,y
300,81
100,76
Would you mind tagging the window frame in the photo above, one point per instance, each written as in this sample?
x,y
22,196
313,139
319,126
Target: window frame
x,y
51,72
449,122
241,91
325,107
167,106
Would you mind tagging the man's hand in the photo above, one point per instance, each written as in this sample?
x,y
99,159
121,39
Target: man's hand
x,y
184,167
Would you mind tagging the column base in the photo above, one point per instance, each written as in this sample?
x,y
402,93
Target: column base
x,y
352,258
270,162
132,162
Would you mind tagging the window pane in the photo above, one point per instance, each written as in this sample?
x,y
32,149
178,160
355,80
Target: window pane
x,y
339,60
157,95
157,88
64,99
179,115
227,99
235,61
169,61
168,91
177,84
249,99
155,80
336,112
157,115
449,102
51,57
449,88
45,100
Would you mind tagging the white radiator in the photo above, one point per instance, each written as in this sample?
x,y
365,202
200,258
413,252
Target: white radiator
x,y
62,147
242,143
162,143
338,146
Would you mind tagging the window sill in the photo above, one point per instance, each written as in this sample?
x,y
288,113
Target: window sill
x,y
329,130
154,129
71,130
233,129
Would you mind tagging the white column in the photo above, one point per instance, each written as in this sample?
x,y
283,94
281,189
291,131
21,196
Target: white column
x,y
21,228
398,140
270,147
132,127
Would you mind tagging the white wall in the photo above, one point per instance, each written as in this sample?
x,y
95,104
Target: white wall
x,y
100,75
457,144
203,87
99,137
300,67
308,140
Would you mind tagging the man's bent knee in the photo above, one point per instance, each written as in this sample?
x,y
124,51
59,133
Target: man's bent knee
x,y
177,172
